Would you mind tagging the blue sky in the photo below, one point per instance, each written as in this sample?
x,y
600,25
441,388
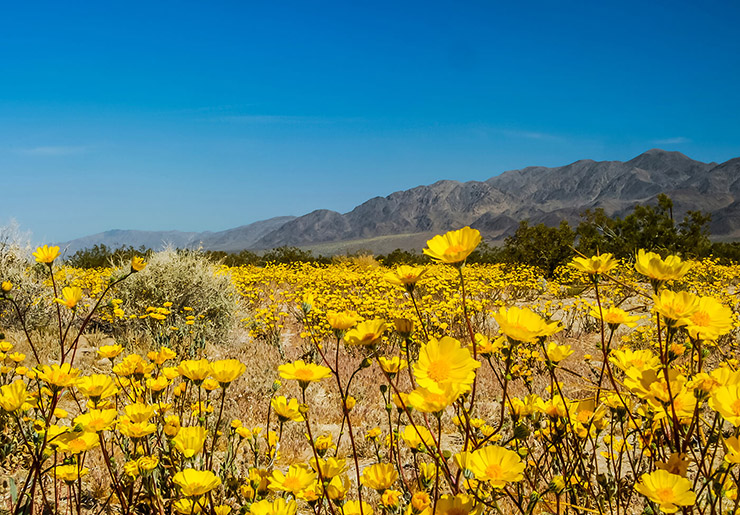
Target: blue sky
x,y
209,115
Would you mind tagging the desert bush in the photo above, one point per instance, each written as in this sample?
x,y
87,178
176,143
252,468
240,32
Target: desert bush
x,y
181,299
26,277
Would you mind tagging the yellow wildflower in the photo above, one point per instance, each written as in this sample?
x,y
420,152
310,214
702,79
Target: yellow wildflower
x,y
72,295
46,254
366,333
194,483
137,264
453,247
406,276
195,370
445,362
524,325
13,395
342,320
189,440
654,267
303,372
296,479
379,476
497,466
594,265
225,371
710,320
668,491
286,410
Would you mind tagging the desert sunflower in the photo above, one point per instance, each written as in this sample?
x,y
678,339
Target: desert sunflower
x,y
303,372
342,320
435,400
296,479
675,306
658,270
137,264
196,370
614,317
194,483
497,465
71,296
46,254
453,247
225,371
97,386
379,476
668,491
13,395
710,320
524,325
366,333
406,276
189,441
286,409
726,401
600,264
445,362
96,420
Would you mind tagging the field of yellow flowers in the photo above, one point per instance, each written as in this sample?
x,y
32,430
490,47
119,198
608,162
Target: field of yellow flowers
x,y
448,389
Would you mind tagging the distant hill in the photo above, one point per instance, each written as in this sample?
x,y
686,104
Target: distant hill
x,y
495,206
235,239
123,238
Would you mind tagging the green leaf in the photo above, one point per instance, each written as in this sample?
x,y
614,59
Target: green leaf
x,y
13,490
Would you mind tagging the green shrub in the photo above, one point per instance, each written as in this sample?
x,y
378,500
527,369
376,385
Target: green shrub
x,y
102,256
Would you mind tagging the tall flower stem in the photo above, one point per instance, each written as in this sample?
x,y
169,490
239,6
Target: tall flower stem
x,y
418,315
345,412
215,429
407,344
316,454
25,331
59,313
405,408
86,321
470,334
436,463
114,480
604,346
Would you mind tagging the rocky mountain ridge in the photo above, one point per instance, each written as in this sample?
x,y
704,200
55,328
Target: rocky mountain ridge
x,y
496,206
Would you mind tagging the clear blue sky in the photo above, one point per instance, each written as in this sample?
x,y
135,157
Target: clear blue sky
x,y
209,115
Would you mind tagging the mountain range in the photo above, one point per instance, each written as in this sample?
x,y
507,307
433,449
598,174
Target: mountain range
x,y
406,219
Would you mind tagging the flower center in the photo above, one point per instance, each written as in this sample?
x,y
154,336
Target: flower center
x,y
494,471
454,249
665,495
292,483
304,374
439,371
736,407
701,318
612,318
584,415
